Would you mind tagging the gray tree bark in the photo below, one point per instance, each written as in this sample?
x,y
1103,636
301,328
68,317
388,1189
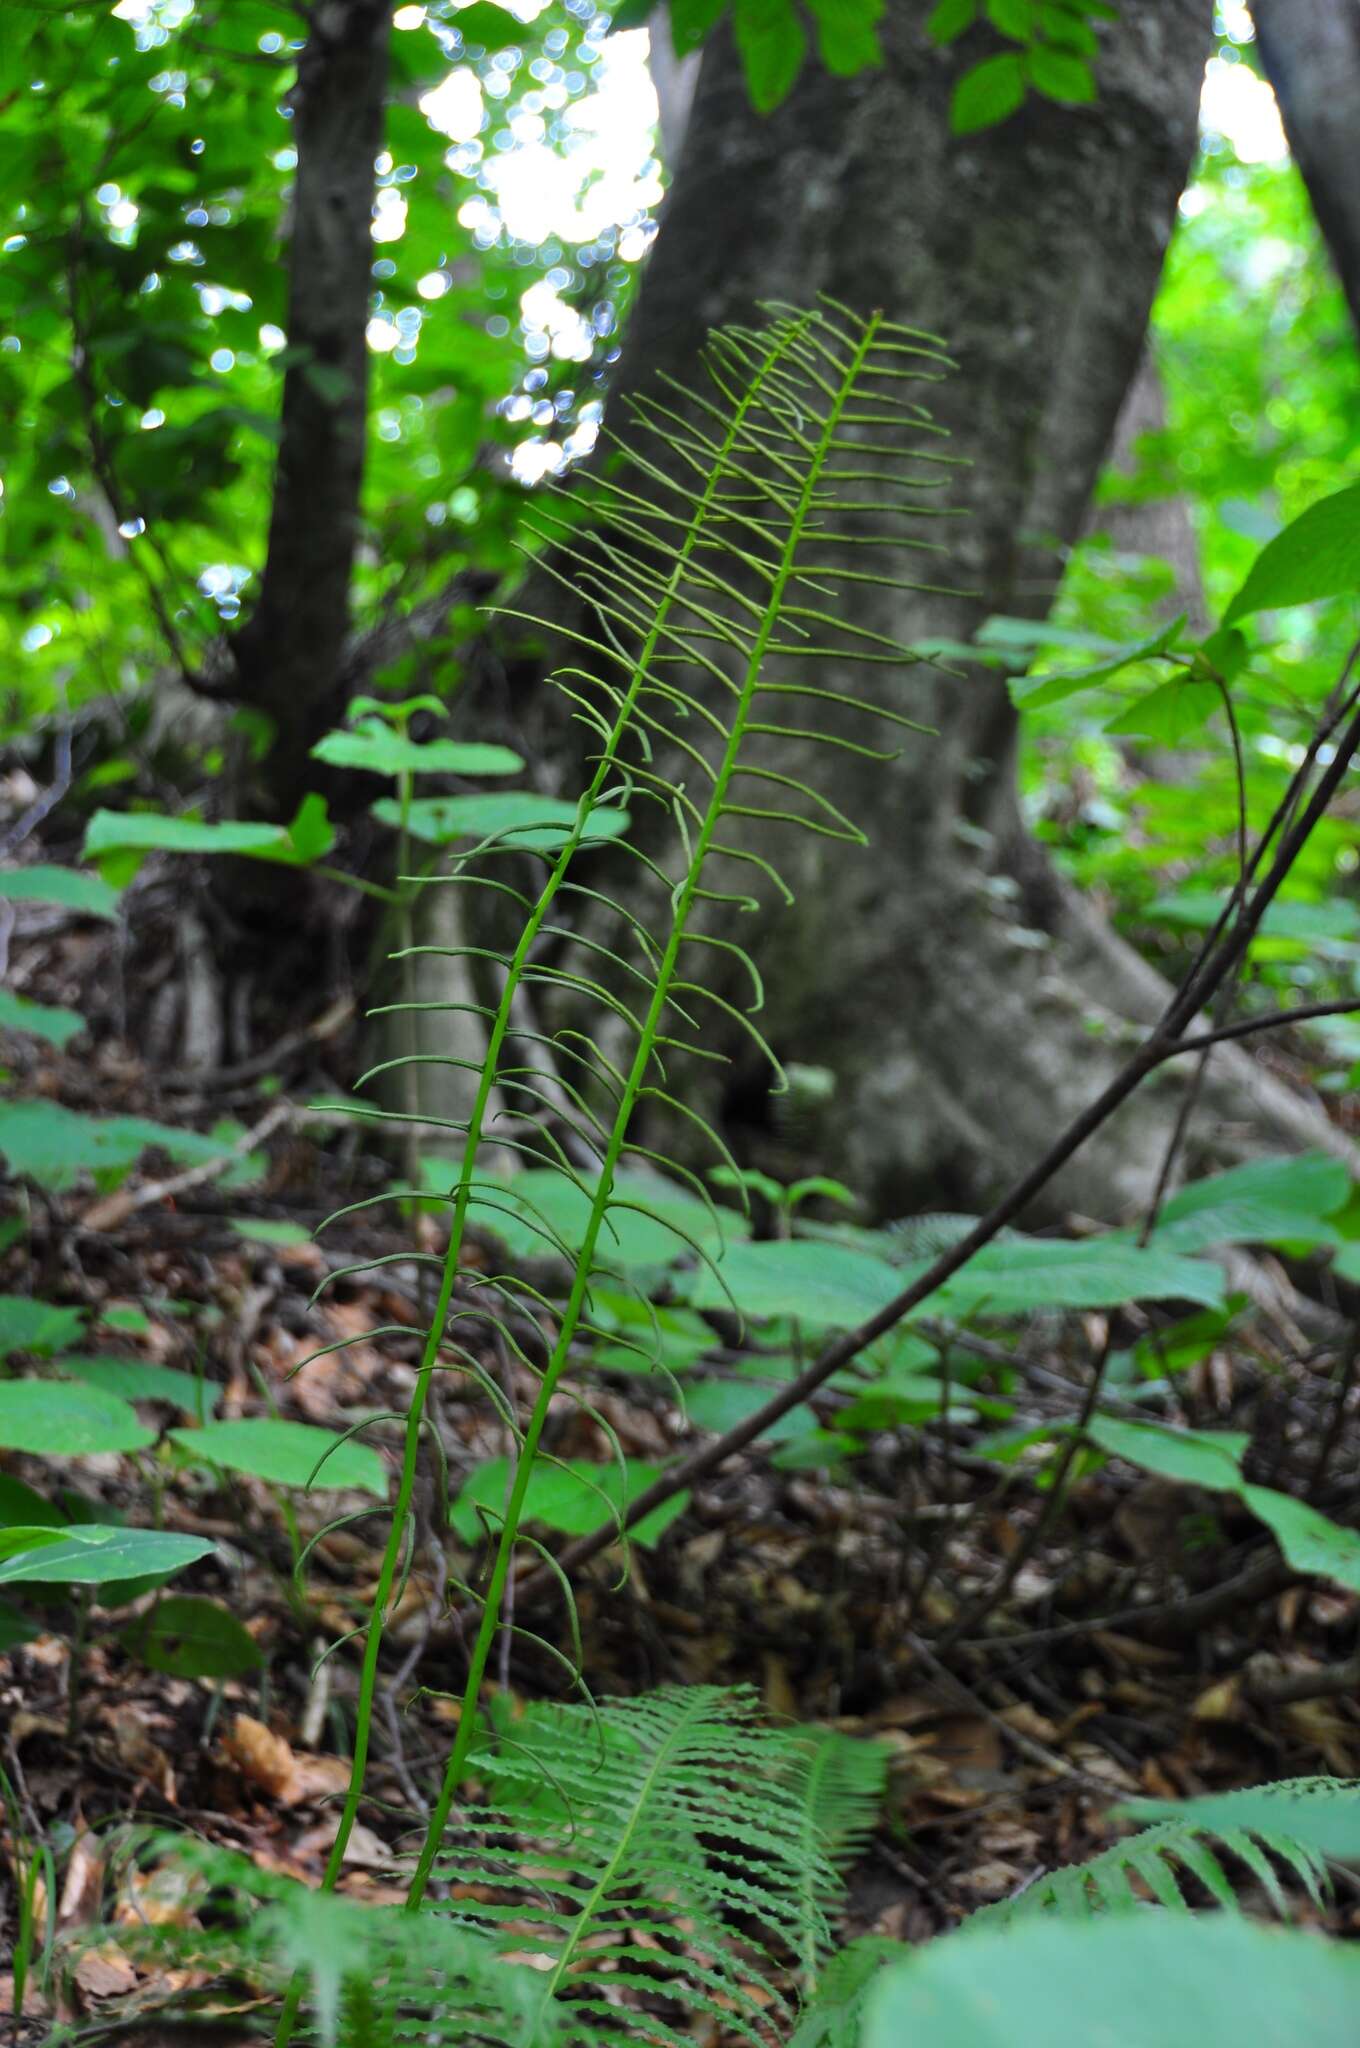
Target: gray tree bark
x,y
288,657
967,1002
1311,53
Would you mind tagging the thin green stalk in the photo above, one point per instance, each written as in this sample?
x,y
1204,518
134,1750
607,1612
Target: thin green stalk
x,y
476,1125
665,974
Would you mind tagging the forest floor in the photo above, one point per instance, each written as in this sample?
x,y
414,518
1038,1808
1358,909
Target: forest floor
x,y
1141,1640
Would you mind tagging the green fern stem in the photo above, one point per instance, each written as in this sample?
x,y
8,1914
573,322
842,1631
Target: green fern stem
x,y
683,905
391,1560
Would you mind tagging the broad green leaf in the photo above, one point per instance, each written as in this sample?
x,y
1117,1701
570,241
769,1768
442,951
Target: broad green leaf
x,y
188,1637
847,34
948,19
37,1326
48,1021
1309,923
1061,75
1309,1540
1129,1980
692,21
1268,1201
54,1419
308,838
773,44
1194,1457
1173,713
150,832
285,1453
719,1404
825,1285
538,823
1014,18
21,1506
376,747
264,1230
88,894
1317,555
52,1145
573,1498
1024,1274
93,1554
1030,693
988,94
140,1379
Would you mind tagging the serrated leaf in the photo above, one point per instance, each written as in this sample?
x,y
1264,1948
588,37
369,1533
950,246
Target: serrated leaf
x,y
285,1454
93,1554
1317,555
1319,1813
188,1637
53,1419
988,94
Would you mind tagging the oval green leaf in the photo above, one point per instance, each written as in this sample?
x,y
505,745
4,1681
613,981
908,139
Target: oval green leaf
x,y
96,1555
54,1420
285,1453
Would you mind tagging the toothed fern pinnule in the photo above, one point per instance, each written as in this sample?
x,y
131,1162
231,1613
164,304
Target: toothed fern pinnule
x,y
717,580
1105,1883
622,1872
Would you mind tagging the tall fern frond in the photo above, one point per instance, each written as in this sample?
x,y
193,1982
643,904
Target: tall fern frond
x,y
716,578
1160,1858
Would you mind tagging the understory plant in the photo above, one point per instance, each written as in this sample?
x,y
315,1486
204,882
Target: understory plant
x,y
591,1872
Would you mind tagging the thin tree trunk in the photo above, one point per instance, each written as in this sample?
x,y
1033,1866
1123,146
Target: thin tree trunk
x,y
1311,53
288,656
967,1003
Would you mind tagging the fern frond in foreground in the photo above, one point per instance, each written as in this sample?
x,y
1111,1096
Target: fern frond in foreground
x,y
625,1872
1105,1882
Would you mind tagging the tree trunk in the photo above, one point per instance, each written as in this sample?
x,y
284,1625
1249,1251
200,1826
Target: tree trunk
x,y
288,656
1311,53
966,1002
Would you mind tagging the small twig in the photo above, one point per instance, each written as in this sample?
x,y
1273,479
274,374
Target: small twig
x,y
964,1696
116,1208
1322,1682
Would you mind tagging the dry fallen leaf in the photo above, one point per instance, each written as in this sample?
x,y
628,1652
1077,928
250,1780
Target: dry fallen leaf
x,y
264,1758
105,1973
